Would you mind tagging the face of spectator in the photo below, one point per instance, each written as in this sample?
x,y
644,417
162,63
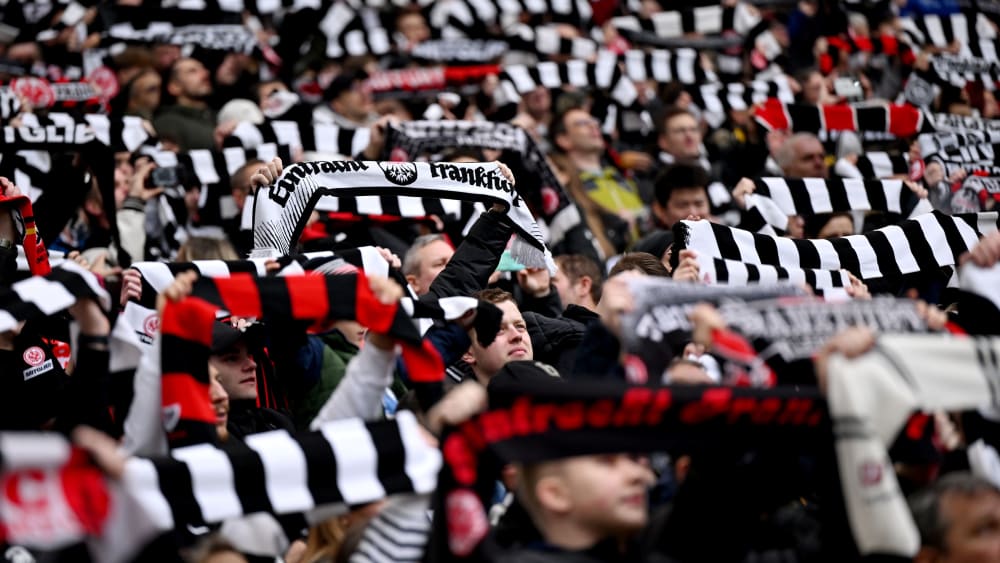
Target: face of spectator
x,y
145,94
413,27
838,226
812,90
511,344
681,137
683,203
220,399
538,102
604,494
431,259
237,372
808,159
583,133
973,523
355,104
570,293
190,79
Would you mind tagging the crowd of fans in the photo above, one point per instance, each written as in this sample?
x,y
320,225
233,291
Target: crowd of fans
x,y
640,170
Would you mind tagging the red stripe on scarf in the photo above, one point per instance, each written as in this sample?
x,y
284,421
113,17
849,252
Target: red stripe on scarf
x,y
239,293
904,120
839,118
308,298
772,113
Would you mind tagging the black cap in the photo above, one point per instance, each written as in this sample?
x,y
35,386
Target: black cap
x,y
342,83
655,243
224,337
518,378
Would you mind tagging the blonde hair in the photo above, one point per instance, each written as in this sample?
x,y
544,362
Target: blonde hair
x,y
326,539
206,248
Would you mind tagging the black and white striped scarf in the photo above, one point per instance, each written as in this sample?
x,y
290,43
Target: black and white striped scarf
x,y
401,189
459,50
871,398
665,65
972,30
316,474
958,70
39,296
321,137
775,199
873,165
927,243
231,38
931,143
540,187
547,40
703,20
733,272
953,123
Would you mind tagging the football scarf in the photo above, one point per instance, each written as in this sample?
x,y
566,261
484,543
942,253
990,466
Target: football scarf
x,y
703,20
353,31
42,94
790,330
187,335
213,171
900,120
30,241
972,30
718,100
873,165
663,66
317,474
539,186
321,137
732,272
516,80
927,243
932,143
951,123
851,45
979,300
220,37
401,189
546,40
871,398
459,51
658,326
958,71
42,295
545,422
775,199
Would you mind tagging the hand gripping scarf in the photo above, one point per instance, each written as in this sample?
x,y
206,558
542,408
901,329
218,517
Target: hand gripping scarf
x,y
402,189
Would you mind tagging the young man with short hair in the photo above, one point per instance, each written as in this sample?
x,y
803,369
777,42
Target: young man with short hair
x,y
578,281
511,343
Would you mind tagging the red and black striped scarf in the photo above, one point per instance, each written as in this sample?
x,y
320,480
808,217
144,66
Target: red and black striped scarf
x,y
187,335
